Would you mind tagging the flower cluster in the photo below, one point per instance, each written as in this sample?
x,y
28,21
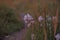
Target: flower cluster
x,y
27,18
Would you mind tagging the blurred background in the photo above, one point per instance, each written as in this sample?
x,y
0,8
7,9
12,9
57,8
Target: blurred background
x,y
13,27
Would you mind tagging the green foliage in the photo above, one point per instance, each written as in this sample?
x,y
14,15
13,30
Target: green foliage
x,y
49,30
58,26
8,21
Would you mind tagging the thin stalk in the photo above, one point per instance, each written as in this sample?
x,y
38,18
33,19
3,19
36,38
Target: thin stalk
x,y
45,34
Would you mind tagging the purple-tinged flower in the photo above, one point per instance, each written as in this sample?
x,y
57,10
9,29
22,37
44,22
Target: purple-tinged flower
x,y
54,17
57,36
40,18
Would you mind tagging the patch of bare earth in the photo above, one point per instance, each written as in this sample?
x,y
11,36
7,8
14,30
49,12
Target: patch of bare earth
x,y
17,35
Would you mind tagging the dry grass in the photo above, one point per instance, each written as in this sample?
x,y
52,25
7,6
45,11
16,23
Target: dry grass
x,y
30,6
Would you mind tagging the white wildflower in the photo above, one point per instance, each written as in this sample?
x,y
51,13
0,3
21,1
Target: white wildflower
x,y
40,18
57,36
